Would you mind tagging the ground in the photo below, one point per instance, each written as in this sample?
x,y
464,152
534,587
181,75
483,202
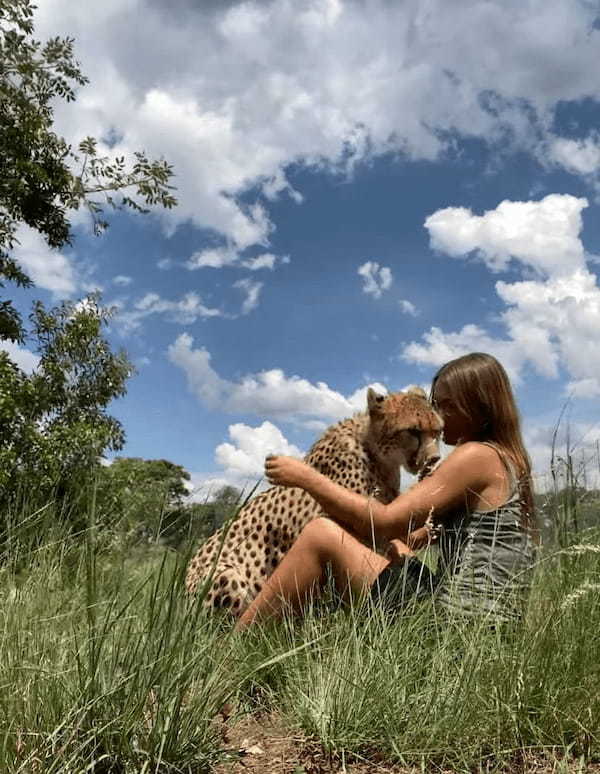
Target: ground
x,y
262,743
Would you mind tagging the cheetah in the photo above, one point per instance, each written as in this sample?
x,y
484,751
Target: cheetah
x,y
363,454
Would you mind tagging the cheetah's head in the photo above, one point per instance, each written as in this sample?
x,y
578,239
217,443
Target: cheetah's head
x,y
405,428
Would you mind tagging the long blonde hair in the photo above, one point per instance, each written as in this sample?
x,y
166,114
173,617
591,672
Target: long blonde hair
x,y
479,386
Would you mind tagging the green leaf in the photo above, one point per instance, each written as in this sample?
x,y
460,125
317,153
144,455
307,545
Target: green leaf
x,y
39,182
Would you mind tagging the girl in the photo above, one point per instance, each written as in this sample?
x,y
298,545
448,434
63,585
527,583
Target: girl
x,y
479,499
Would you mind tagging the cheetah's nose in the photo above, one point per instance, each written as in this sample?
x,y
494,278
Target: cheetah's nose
x,y
429,465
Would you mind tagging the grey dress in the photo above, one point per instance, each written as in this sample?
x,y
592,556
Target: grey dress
x,y
485,558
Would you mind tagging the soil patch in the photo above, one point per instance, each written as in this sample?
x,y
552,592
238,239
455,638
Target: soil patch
x,y
264,744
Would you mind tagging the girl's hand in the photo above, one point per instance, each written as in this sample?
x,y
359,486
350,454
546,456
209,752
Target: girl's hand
x,y
397,550
419,538
286,471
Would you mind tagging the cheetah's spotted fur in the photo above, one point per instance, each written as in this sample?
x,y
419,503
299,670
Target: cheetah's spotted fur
x,y
363,454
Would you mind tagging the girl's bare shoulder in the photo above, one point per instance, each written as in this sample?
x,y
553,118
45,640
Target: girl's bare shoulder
x,y
474,461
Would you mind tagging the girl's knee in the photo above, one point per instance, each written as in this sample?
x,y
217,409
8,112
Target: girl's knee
x,y
321,533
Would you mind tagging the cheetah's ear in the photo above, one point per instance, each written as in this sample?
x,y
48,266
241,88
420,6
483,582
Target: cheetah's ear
x,y
374,401
414,389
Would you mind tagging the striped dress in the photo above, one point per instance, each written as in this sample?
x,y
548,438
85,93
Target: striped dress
x,y
485,558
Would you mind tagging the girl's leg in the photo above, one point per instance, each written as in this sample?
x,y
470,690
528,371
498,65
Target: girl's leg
x,y
302,570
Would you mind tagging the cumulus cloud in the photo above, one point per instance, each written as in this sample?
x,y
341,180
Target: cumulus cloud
x,y
550,322
542,235
217,257
241,460
251,107
555,322
26,360
265,261
438,347
581,156
185,311
376,278
48,268
212,257
245,456
204,486
269,393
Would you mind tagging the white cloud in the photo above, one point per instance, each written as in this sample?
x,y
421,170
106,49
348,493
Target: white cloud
x,y
245,457
164,264
572,437
556,322
185,311
542,235
438,347
122,280
48,268
376,278
88,306
274,186
384,77
265,261
578,156
584,388
269,393
408,308
218,257
241,462
203,380
204,486
314,425
26,360
551,322
212,257
252,292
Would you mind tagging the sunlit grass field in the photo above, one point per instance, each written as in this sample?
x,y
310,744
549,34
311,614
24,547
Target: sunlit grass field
x,y
107,666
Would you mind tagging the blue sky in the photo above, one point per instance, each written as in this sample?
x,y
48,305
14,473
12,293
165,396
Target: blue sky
x,y
367,189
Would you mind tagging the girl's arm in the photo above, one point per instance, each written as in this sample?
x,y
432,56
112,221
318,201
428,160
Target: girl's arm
x,y
456,481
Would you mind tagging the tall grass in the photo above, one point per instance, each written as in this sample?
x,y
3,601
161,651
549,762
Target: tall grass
x,y
106,666
105,663
423,690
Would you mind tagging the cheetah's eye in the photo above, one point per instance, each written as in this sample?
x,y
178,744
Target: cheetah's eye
x,y
414,431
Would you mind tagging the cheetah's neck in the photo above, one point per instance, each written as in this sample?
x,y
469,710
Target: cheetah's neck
x,y
355,435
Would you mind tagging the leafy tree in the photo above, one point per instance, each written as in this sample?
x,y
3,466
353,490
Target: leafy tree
x,y
201,520
41,178
53,422
131,482
144,499
223,504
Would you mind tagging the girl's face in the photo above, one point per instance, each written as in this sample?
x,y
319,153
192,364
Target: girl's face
x,y
457,427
